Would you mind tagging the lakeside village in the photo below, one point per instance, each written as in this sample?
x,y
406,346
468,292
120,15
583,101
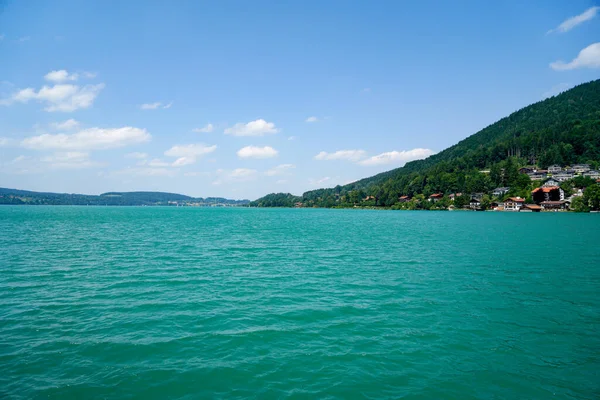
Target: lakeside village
x,y
548,196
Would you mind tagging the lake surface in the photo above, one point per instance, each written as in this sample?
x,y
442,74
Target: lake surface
x,y
193,303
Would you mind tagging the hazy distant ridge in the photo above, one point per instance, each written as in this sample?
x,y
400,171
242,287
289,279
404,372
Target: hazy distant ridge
x,y
16,196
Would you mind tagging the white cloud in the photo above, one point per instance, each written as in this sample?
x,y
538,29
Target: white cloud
x,y
60,97
181,161
320,181
556,90
5,142
148,171
70,159
65,125
281,182
366,90
89,139
572,22
23,39
206,129
280,169
257,152
157,163
196,174
312,119
587,58
259,127
292,138
137,155
397,157
242,173
186,155
60,76
236,175
190,150
150,106
89,75
154,106
19,159
351,155
189,153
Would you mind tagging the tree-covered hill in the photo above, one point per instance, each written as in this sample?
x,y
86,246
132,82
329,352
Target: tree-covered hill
x,y
277,200
15,196
563,129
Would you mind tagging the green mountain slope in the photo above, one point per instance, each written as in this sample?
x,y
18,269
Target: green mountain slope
x,y
564,130
15,196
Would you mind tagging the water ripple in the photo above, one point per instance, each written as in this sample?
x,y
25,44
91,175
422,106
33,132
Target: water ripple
x,y
242,303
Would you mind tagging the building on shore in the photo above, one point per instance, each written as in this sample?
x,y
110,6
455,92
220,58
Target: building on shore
x,y
436,197
530,208
475,204
547,193
513,204
554,205
453,196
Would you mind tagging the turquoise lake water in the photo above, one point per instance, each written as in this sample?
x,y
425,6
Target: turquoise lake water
x,y
194,303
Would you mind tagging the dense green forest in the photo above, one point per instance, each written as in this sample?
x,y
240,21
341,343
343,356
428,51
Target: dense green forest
x,y
14,196
277,200
563,129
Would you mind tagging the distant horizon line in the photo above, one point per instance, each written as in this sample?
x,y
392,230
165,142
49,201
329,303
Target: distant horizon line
x,y
118,192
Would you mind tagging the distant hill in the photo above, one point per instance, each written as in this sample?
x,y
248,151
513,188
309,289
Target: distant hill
x,y
15,196
277,200
563,129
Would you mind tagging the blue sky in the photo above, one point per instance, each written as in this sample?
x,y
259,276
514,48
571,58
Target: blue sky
x,y
239,99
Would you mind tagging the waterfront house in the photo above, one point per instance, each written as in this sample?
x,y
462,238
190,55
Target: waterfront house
x,y
403,199
581,168
513,204
369,198
554,205
475,204
436,197
530,208
553,169
547,193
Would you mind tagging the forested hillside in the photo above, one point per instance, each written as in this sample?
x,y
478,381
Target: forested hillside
x,y
563,130
15,196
